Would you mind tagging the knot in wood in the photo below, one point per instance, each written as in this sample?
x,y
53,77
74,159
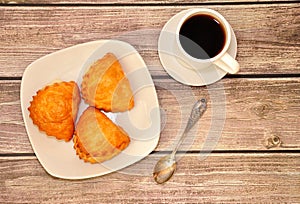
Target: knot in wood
x,y
273,141
261,110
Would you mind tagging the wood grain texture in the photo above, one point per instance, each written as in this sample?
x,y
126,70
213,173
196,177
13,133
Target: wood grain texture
x,y
268,34
102,2
256,111
262,114
220,178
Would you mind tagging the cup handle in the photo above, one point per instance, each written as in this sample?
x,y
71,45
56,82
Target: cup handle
x,y
228,64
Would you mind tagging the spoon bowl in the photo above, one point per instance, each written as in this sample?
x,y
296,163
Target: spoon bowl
x,y
165,167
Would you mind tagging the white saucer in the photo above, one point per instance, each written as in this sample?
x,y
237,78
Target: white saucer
x,y
176,70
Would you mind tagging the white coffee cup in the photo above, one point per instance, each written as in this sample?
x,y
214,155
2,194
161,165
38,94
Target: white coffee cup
x,y
222,59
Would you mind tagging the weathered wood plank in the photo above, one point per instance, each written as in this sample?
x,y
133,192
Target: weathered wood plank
x,y
256,111
221,178
102,2
268,34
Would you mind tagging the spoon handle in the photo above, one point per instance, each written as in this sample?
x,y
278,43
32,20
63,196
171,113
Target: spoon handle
x,y
198,109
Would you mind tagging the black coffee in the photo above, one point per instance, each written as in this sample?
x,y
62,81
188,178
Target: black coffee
x,y
202,36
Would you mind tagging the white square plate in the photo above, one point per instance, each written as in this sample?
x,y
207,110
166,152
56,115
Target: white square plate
x,y
142,123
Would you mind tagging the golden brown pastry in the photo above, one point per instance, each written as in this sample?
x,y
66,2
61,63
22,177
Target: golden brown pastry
x,y
97,138
106,87
54,109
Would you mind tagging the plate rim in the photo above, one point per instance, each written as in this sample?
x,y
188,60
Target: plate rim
x,y
97,44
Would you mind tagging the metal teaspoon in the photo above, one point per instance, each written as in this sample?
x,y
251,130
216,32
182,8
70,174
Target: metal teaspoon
x,y
166,166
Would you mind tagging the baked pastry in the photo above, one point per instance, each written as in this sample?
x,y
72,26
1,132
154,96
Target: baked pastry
x,y
106,87
97,138
54,109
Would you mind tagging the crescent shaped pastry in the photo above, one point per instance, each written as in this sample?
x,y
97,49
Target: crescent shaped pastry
x,y
106,87
97,138
54,109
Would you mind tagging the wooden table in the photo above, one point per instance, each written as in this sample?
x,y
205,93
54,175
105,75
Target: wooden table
x,y
257,157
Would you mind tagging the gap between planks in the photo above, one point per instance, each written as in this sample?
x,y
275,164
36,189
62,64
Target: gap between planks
x,y
229,76
192,152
